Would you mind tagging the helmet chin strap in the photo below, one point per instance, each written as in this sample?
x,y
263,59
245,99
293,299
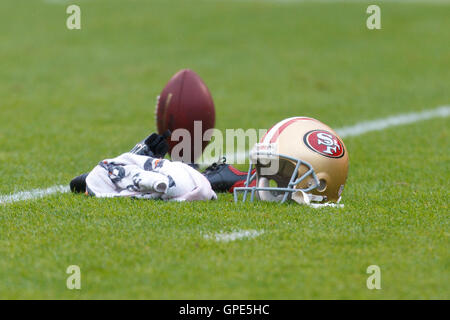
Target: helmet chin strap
x,y
298,196
302,197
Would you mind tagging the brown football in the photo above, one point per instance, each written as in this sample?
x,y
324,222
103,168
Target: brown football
x,y
185,99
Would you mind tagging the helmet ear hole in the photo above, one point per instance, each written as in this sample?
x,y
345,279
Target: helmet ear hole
x,y
322,185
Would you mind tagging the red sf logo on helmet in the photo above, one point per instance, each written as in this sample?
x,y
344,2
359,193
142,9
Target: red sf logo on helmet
x,y
324,143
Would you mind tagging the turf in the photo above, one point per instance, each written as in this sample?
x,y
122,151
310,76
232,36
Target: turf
x,y
71,98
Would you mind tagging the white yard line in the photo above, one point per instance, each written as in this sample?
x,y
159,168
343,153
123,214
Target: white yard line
x,y
32,194
376,125
344,132
393,121
233,236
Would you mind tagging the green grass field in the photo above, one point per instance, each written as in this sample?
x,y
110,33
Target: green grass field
x,y
71,98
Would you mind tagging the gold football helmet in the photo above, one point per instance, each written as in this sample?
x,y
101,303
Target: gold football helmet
x,y
298,159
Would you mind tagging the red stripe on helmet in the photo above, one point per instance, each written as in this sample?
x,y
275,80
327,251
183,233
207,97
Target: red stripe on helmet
x,y
285,125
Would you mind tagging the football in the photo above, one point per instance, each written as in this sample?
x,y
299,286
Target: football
x,y
184,100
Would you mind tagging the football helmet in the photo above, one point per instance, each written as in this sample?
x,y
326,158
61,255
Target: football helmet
x,y
299,159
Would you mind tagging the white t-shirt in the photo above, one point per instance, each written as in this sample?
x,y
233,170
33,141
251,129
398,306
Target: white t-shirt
x,y
131,175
